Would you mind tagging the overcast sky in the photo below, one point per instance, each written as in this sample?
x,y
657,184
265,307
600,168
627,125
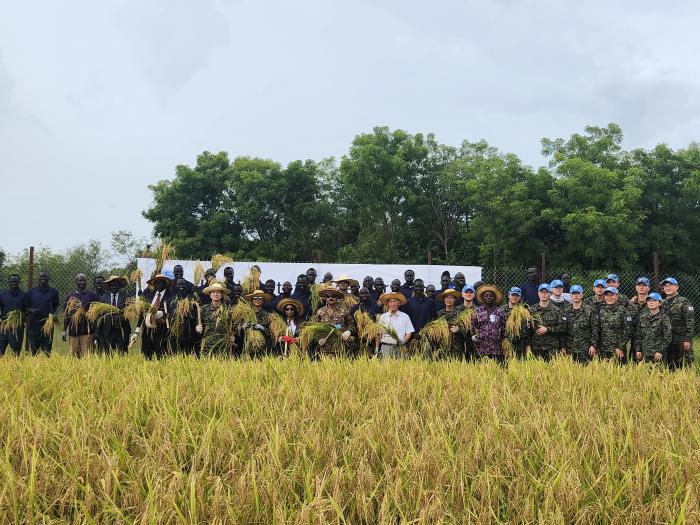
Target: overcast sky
x,y
98,99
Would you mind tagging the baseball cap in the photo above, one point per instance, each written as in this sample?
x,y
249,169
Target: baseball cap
x,y
556,282
577,288
671,280
611,289
515,291
544,286
468,288
612,277
643,280
599,282
655,296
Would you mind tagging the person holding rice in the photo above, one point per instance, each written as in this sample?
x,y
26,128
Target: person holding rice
x,y
257,299
218,337
336,313
75,322
452,313
112,329
398,326
518,322
292,311
488,323
154,323
13,312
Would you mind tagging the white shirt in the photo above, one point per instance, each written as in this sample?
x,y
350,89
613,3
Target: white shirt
x,y
399,322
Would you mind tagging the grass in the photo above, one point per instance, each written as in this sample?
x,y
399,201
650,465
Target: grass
x,y
124,440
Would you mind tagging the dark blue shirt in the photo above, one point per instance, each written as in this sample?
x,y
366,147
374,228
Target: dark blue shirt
x,y
305,298
530,293
13,300
42,302
421,310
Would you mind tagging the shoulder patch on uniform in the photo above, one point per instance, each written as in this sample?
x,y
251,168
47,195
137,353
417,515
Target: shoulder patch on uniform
x,y
563,317
690,308
629,318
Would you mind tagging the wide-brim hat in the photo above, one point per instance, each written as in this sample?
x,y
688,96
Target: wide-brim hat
x,y
488,288
160,277
385,297
331,291
216,286
294,302
116,279
259,293
353,282
451,292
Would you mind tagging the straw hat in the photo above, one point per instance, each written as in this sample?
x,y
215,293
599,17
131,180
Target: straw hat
x,y
488,288
122,281
451,292
344,277
160,277
294,302
330,291
259,293
384,298
216,286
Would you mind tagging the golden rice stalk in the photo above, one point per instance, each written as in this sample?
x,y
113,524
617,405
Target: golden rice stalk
x,y
508,349
97,312
183,310
278,326
390,331
74,311
435,334
518,316
166,252
315,297
135,308
243,312
251,282
253,341
367,328
135,278
49,325
219,260
13,322
536,320
350,300
464,319
198,272
313,332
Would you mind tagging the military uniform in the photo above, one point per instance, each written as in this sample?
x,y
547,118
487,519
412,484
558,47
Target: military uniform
x,y
653,335
214,341
339,317
457,348
615,330
682,315
590,301
547,345
519,343
635,309
581,331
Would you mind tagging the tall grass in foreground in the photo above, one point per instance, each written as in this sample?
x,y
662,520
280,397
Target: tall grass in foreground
x,y
123,440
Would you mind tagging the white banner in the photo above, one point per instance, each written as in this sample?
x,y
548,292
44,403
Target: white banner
x,y
281,272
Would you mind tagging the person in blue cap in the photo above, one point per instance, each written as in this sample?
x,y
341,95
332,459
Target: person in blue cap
x,y
513,306
615,327
597,300
653,334
559,298
637,306
548,325
613,281
682,314
581,320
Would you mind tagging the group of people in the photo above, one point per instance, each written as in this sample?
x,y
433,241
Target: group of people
x,y
173,315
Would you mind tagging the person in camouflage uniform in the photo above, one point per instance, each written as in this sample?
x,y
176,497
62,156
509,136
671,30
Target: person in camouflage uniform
x,y
653,335
682,315
520,342
258,298
636,307
450,312
613,281
548,325
596,300
336,313
216,340
615,327
581,327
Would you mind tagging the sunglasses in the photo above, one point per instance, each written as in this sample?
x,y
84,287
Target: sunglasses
x,y
286,308
258,298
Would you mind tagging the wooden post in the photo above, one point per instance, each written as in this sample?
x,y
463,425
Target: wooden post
x,y
430,257
656,271
543,277
30,283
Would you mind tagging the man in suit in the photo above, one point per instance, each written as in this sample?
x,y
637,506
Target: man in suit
x,y
154,325
113,330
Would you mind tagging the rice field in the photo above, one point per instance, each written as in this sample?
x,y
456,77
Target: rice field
x,y
124,440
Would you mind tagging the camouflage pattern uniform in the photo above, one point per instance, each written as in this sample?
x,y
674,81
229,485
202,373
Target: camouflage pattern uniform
x,y
339,317
590,301
214,333
682,315
457,347
653,335
615,330
581,331
519,343
635,309
547,345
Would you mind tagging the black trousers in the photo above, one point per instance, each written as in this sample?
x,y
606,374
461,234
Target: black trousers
x,y
676,357
14,341
154,342
38,341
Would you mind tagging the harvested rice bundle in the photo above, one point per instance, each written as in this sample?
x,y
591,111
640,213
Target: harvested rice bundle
x,y
13,322
518,316
251,282
315,297
74,311
98,312
367,328
315,333
278,326
219,260
135,308
198,272
435,335
49,325
183,310
464,319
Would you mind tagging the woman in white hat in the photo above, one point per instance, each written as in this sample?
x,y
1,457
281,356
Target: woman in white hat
x,y
216,340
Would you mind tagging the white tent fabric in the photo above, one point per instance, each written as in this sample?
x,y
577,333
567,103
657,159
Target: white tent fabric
x,y
281,272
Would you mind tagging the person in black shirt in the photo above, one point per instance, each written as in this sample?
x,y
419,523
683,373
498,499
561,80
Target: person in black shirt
x,y
179,272
420,308
407,288
42,301
13,299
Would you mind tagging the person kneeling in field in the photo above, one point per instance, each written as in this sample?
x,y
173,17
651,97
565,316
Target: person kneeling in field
x,y
653,335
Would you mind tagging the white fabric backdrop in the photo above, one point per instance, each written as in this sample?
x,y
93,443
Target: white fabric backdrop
x,y
281,272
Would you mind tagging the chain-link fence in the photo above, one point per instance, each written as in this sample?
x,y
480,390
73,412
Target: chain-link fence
x,y
63,279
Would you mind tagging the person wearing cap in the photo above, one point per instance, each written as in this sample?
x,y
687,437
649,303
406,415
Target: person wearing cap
x,y
419,307
581,337
636,307
387,345
548,325
489,323
451,311
654,332
615,327
468,302
154,325
209,277
559,298
292,311
186,330
520,342
113,331
336,313
597,300
217,338
75,324
612,280
682,314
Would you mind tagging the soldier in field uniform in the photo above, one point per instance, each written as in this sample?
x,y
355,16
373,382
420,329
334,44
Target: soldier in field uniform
x,y
615,327
548,325
682,315
653,335
581,320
